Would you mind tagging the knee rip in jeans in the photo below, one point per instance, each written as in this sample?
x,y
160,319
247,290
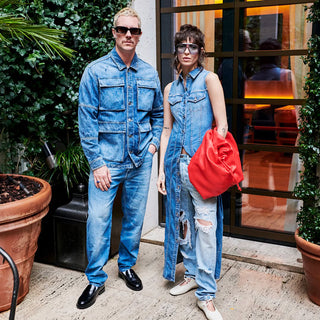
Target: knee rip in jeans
x,y
203,225
185,233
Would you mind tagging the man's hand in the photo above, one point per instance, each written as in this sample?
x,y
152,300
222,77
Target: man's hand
x,y
152,148
102,178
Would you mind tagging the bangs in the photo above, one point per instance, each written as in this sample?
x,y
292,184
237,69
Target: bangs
x,y
195,37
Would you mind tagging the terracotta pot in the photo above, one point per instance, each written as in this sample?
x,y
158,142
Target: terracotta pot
x,y
311,264
20,224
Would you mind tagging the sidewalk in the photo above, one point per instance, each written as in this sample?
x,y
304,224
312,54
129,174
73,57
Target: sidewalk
x,y
258,281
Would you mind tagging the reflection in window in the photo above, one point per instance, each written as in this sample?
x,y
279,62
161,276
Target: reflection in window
x,y
270,28
271,123
272,171
288,25
269,213
267,170
180,3
285,23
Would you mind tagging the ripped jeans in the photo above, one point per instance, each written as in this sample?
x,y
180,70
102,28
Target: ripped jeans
x,y
197,239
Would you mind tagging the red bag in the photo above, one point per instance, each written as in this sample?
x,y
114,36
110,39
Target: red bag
x,y
216,166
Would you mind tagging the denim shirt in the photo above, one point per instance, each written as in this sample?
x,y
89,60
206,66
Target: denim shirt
x,y
120,111
193,116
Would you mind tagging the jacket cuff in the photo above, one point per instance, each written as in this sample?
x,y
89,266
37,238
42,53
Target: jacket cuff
x,y
97,163
155,141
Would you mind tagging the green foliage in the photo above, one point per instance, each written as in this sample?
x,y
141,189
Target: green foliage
x,y
21,28
72,168
308,189
39,95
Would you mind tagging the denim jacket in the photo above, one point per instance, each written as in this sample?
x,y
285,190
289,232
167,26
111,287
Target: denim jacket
x,y
120,111
193,116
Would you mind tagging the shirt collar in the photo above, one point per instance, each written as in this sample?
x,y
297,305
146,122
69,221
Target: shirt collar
x,y
120,64
193,73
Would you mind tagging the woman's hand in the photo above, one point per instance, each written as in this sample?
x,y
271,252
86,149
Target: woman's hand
x,y
161,183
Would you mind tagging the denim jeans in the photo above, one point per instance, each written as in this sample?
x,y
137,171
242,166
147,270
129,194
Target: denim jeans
x,y
197,241
133,199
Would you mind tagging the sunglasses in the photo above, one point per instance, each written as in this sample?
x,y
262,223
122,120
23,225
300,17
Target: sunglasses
x,y
192,47
124,30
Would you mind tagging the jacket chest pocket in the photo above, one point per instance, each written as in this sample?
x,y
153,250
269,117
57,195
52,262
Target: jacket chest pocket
x,y
146,94
111,95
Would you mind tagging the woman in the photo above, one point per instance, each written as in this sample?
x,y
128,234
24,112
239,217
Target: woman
x,y
191,104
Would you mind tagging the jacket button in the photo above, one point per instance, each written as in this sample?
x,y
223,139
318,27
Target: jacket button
x,y
130,135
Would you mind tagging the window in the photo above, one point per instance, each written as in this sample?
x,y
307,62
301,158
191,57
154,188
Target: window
x,y
255,47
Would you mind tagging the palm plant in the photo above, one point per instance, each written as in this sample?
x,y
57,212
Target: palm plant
x,y
22,28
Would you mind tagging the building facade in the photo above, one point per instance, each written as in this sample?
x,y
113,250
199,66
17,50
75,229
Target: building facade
x,y
255,47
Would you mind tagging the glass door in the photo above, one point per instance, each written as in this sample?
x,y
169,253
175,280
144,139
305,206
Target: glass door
x,y
255,47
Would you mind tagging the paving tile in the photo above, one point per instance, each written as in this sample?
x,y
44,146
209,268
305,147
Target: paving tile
x,y
245,291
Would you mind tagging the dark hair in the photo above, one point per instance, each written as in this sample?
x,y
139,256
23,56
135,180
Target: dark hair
x,y
270,44
194,33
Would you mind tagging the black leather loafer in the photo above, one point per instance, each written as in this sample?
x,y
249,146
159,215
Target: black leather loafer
x,y
131,279
89,296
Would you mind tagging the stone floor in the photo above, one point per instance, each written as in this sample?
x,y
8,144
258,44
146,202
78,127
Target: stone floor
x,y
258,281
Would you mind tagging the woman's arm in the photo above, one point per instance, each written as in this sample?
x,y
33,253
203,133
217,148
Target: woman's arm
x,y
165,135
216,96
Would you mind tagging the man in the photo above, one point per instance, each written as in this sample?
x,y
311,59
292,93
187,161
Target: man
x,y
120,123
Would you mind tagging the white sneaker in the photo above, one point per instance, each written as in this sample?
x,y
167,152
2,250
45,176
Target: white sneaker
x,y
211,315
183,287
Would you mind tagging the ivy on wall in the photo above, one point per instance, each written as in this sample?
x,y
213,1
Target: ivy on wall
x,y
39,95
308,189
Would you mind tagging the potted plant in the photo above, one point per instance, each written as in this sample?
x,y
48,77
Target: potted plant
x,y
24,202
308,189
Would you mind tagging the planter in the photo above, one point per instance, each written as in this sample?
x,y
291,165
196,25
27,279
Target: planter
x,y
311,264
20,224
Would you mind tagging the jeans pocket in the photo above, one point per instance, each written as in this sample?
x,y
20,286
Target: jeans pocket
x,y
150,154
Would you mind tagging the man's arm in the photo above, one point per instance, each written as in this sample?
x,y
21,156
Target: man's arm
x,y
88,118
157,115
89,129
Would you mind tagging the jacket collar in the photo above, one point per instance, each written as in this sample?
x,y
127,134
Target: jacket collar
x,y
120,64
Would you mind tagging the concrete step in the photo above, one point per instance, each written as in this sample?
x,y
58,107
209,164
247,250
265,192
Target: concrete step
x,y
259,253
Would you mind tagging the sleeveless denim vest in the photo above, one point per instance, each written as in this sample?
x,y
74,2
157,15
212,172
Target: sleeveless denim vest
x,y
192,103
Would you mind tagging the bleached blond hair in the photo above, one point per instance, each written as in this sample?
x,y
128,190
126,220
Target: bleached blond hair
x,y
128,12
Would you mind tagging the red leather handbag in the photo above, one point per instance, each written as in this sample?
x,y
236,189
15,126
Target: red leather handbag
x,y
216,166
